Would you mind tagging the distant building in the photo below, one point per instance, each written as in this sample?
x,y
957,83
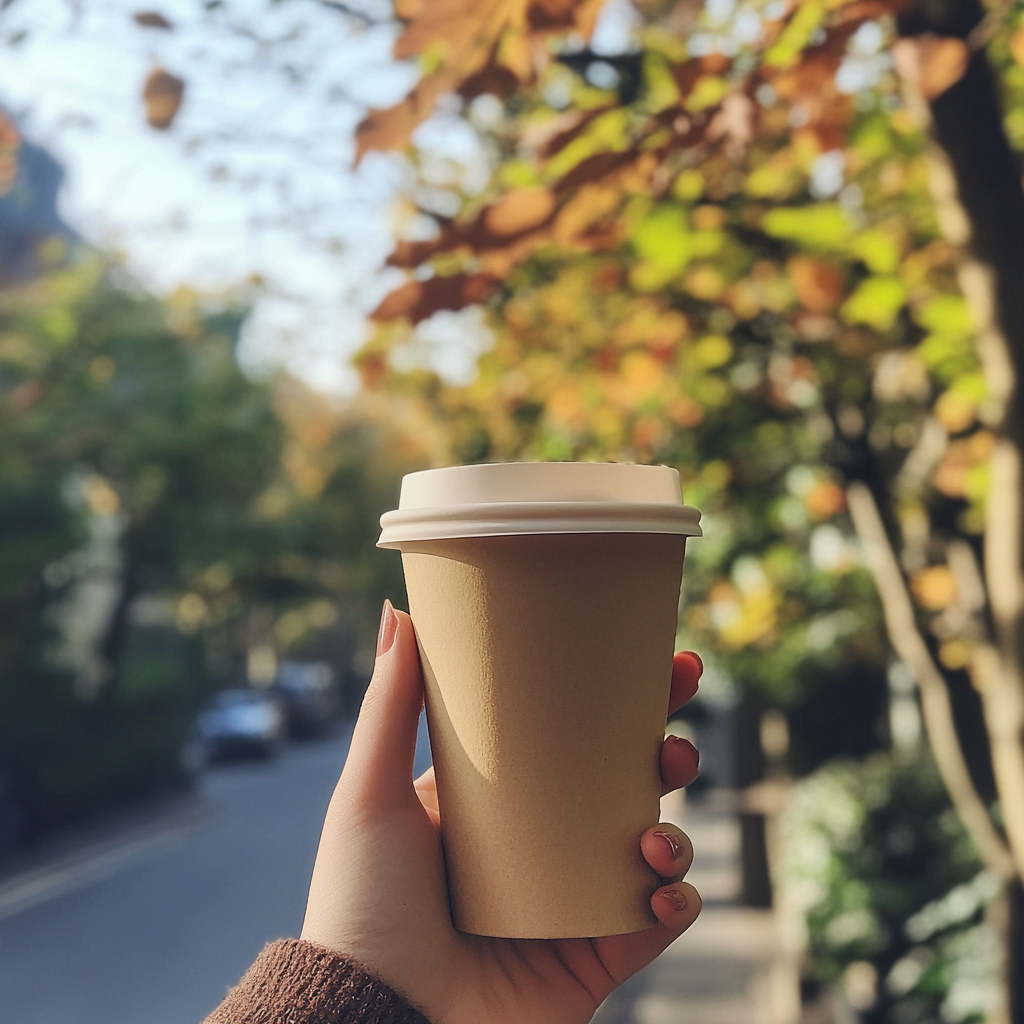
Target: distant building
x,y
29,221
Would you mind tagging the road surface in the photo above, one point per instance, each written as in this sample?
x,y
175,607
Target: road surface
x,y
152,926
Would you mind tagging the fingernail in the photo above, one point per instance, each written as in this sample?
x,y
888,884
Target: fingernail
x,y
388,629
673,843
694,752
676,897
700,663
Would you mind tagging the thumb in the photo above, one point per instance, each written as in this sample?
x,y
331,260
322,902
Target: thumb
x,y
380,758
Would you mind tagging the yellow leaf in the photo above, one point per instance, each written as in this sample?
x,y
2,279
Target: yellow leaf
x,y
934,588
955,654
642,374
705,283
689,185
709,91
955,412
713,351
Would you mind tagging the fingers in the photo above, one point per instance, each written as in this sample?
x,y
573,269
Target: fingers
x,y
676,906
668,850
686,671
383,744
426,790
680,763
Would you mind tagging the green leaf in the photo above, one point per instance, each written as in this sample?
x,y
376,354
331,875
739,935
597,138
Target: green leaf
x,y
948,315
797,34
660,89
878,249
608,133
824,226
689,186
877,303
663,241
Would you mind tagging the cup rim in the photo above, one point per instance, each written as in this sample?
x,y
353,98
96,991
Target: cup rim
x,y
528,518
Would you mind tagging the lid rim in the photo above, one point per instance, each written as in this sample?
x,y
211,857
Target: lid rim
x,y
409,526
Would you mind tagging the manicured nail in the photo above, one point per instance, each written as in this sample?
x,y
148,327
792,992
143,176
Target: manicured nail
x,y
694,752
700,664
676,897
388,629
673,843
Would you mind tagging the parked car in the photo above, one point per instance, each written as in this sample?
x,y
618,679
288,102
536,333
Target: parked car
x,y
309,694
242,722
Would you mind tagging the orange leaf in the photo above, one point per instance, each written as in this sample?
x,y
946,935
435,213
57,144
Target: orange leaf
x,y
418,300
932,63
518,211
162,95
934,588
1017,46
818,283
461,38
825,500
392,127
558,15
943,63
493,79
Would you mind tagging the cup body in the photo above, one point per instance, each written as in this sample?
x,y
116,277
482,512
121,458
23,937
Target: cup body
x,y
547,660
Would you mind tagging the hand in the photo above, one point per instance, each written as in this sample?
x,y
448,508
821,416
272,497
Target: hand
x,y
379,892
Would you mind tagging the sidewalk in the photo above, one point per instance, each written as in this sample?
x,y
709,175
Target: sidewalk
x,y
726,969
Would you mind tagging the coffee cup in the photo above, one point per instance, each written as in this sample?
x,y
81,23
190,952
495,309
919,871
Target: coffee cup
x,y
544,598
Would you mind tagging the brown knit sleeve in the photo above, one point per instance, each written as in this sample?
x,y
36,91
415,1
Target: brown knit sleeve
x,y
297,982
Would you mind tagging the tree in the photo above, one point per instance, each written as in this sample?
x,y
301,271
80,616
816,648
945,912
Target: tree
x,y
743,258
164,517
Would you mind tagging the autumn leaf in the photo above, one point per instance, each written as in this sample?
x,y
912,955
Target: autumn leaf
x,y
932,63
418,300
464,44
162,95
1017,46
519,210
818,283
152,19
934,587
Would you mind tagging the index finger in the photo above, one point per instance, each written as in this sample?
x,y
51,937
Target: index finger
x,y
686,671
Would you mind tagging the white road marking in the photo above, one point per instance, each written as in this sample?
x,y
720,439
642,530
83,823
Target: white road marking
x,y
40,885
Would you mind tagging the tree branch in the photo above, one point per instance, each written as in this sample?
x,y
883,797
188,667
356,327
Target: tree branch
x,y
349,11
999,671
936,706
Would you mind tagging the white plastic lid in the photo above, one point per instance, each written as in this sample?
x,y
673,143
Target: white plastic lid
x,y
516,498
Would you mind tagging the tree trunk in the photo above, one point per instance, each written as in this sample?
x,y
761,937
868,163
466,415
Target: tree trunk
x,y
986,196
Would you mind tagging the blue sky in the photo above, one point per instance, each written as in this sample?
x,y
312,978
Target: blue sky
x,y
255,177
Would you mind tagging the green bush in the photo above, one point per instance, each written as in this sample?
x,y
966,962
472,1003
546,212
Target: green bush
x,y
892,892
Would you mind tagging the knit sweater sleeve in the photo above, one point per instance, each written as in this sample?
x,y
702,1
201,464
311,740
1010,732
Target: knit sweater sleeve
x,y
297,982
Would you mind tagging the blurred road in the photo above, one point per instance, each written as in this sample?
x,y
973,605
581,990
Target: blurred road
x,y
151,923
152,926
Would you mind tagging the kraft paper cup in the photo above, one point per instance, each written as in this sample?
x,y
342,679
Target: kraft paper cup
x,y
544,597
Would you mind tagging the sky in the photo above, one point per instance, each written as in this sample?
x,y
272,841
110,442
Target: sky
x,y
254,181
